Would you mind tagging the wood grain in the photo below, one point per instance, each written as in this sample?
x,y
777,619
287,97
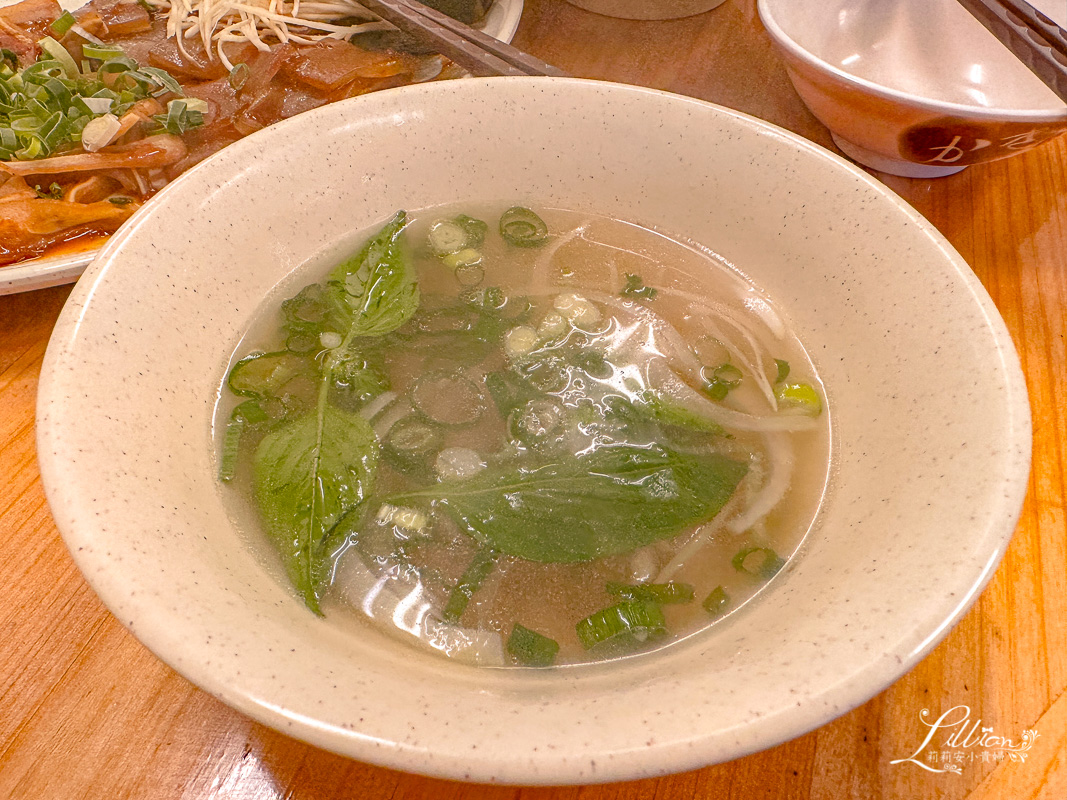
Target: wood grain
x,y
87,712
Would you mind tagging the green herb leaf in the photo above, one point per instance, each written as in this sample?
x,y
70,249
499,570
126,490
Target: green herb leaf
x,y
610,501
376,290
308,475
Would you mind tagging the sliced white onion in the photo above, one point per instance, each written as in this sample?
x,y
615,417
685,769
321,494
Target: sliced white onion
x,y
780,462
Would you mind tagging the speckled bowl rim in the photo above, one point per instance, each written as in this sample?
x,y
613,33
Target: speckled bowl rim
x,y
936,107
162,632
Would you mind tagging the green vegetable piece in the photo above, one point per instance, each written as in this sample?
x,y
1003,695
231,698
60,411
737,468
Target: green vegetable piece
x,y
660,593
715,603
179,117
231,447
54,191
509,391
799,396
238,76
631,618
783,370
716,390
472,581
308,475
376,290
635,287
523,228
530,648
576,508
264,374
447,237
63,23
722,379
760,562
476,229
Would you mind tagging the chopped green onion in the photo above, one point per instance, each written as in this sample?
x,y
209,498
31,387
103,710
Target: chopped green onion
x,y
167,81
530,648
783,370
64,23
54,192
800,396
631,618
715,603
179,118
248,413
523,228
120,200
101,52
473,578
231,447
662,593
635,287
447,237
263,374
723,378
59,53
475,228
760,562
238,76
467,257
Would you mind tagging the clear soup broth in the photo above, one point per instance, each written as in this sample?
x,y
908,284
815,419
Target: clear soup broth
x,y
523,439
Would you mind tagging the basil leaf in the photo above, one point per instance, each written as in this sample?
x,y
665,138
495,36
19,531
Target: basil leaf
x,y
376,291
610,501
308,475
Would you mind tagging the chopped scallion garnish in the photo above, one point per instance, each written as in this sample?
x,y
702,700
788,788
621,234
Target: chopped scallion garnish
x,y
799,396
530,648
635,287
721,380
662,593
760,562
715,603
473,578
523,228
63,24
636,619
783,370
54,191
238,75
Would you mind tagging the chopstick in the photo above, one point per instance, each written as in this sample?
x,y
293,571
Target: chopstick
x,y
1037,41
473,50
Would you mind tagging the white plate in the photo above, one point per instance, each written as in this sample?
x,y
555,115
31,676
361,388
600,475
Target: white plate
x,y
40,273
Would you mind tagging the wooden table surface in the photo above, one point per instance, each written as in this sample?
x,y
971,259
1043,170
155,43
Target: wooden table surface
x,y
87,712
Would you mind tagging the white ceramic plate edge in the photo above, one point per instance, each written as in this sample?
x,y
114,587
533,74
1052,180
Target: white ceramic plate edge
x,y
41,273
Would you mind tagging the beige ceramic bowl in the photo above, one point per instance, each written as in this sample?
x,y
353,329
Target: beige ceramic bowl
x,y
913,87
931,427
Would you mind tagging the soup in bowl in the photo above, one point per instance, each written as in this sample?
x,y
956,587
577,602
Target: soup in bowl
x,y
492,433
